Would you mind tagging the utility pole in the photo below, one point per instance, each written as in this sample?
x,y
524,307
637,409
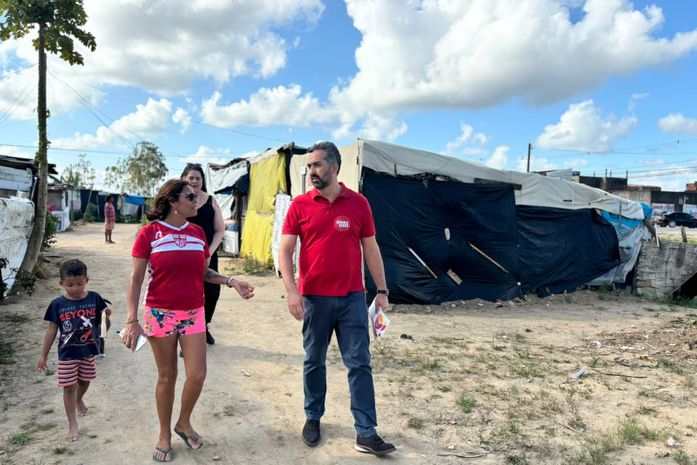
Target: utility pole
x,y
529,151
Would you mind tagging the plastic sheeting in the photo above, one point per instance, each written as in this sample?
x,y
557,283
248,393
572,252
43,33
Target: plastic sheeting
x,y
560,250
531,189
267,176
441,221
447,240
16,218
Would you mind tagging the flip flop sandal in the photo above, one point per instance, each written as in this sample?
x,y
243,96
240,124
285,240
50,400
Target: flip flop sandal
x,y
166,452
194,438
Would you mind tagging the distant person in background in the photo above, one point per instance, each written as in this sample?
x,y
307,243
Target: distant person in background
x,y
109,218
210,217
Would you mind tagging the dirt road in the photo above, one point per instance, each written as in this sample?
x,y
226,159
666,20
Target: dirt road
x,y
452,381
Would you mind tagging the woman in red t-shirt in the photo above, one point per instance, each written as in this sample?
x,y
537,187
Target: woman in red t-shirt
x,y
175,255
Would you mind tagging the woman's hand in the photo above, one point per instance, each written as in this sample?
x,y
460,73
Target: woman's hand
x,y
243,288
130,335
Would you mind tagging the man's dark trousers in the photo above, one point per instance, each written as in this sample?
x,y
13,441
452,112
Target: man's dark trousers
x,y
348,317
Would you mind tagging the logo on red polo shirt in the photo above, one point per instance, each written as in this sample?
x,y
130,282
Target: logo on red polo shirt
x,y
179,240
342,223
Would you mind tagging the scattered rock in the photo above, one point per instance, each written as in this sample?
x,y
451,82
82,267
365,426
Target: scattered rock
x,y
216,458
671,442
596,344
406,336
582,371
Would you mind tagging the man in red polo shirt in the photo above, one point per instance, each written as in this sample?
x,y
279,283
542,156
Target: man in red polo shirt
x,y
333,222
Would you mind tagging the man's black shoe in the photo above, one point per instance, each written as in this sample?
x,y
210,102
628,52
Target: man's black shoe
x,y
209,339
311,433
374,445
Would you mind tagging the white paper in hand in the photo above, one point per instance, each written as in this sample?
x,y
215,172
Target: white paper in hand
x,y
379,319
139,344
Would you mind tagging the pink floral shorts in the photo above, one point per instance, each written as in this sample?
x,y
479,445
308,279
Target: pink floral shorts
x,y
158,322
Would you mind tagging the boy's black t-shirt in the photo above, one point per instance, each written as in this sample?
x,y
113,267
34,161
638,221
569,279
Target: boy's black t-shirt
x,y
78,321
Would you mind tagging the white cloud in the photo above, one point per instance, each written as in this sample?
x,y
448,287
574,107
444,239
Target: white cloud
x,y
280,105
148,120
163,46
499,159
19,152
464,141
678,123
205,155
159,46
374,126
536,164
182,118
582,128
476,53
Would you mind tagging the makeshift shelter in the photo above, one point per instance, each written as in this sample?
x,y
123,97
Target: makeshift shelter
x,y
450,229
16,219
229,184
268,175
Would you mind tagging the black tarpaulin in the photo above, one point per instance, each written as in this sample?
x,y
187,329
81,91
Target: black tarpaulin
x,y
478,243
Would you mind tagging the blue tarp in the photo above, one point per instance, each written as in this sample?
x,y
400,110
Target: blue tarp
x,y
134,199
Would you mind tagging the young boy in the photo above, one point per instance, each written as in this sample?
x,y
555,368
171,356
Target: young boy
x,y
77,315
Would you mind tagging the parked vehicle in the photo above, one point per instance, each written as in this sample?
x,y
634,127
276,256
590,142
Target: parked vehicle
x,y
677,219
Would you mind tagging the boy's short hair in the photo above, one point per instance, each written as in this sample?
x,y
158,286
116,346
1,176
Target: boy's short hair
x,y
72,267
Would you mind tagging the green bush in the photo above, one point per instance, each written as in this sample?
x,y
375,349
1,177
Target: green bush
x,y
75,215
50,228
91,213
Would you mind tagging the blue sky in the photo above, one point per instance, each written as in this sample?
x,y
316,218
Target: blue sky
x,y
593,85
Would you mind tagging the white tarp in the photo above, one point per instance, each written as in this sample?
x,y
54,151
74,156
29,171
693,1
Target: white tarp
x,y
15,179
223,178
16,217
535,190
282,206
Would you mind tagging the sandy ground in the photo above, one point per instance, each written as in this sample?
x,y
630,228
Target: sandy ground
x,y
463,382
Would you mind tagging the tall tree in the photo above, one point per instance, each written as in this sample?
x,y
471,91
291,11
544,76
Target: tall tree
x,y
59,22
140,172
80,173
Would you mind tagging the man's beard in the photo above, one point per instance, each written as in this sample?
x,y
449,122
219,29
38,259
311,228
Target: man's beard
x,y
318,182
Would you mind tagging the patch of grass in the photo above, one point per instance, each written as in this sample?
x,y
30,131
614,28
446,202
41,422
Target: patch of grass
x,y
19,439
62,449
670,366
596,448
16,318
6,352
251,265
515,459
466,403
630,432
45,426
683,302
690,382
647,411
415,423
681,458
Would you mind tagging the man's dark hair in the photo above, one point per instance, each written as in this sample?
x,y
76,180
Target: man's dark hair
x,y
73,267
331,153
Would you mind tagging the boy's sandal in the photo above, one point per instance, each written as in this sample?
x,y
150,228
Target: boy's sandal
x,y
189,440
165,453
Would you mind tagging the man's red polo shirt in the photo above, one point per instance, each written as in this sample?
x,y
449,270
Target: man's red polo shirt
x,y
330,261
